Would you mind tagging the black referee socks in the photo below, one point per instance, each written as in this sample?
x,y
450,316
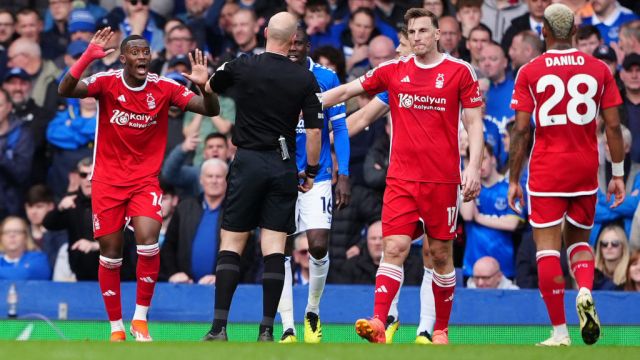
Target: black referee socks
x,y
227,279
272,283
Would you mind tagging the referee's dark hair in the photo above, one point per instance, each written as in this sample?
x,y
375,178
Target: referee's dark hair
x,y
126,40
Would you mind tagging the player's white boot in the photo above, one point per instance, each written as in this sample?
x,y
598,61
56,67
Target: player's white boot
x,y
561,340
589,322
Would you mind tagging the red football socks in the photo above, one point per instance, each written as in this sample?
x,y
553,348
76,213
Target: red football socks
x,y
551,284
388,280
109,279
443,289
147,272
582,270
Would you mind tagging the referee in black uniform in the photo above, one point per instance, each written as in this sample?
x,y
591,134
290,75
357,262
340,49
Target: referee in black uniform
x,y
263,181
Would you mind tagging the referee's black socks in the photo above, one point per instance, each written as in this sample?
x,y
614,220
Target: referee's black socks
x,y
227,279
272,283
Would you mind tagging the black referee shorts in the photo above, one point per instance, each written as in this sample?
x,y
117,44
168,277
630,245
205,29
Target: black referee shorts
x,y
261,192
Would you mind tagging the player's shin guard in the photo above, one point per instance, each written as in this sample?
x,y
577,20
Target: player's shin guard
x,y
443,288
551,284
427,303
318,270
109,279
272,283
147,276
388,280
582,270
227,279
285,306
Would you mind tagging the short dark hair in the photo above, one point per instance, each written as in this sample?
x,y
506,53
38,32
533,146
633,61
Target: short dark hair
x,y
180,26
167,189
586,31
318,6
531,38
482,27
415,13
28,11
469,3
489,148
305,36
216,135
38,194
335,56
129,38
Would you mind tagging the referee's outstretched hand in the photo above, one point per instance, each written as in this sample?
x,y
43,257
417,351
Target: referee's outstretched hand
x,y
199,72
307,183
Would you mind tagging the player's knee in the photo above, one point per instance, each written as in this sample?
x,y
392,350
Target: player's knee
x,y
439,256
395,249
318,251
111,252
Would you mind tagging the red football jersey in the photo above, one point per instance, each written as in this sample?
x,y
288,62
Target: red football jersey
x,y
132,125
425,103
564,90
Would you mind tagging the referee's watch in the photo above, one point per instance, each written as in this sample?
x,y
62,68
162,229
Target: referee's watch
x,y
312,171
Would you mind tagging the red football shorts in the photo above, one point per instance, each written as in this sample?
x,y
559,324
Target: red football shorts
x,y
546,211
113,204
406,203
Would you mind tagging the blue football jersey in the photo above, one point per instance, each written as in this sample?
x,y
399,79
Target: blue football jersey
x,y
336,116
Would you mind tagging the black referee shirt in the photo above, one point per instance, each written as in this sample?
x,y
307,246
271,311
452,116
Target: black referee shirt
x,y
271,91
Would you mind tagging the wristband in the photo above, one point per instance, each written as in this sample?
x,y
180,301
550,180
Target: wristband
x,y
93,52
617,169
312,171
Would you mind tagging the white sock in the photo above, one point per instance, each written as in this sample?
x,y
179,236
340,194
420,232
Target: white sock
x,y
141,312
393,310
427,303
560,331
318,270
117,325
285,307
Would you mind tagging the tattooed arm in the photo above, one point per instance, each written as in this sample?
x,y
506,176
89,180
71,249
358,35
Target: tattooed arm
x,y
520,136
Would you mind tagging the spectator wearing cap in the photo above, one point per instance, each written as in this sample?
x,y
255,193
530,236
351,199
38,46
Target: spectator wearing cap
x,y
178,42
17,83
82,25
608,55
71,134
16,154
630,76
26,54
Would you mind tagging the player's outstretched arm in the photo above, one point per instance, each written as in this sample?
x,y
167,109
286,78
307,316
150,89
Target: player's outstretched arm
x,y
520,135
69,86
365,116
472,120
616,149
207,103
341,93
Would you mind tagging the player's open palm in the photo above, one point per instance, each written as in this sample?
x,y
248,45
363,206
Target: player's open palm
x,y
96,49
199,72
616,188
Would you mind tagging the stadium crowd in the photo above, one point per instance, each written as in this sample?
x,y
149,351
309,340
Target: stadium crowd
x,y
46,141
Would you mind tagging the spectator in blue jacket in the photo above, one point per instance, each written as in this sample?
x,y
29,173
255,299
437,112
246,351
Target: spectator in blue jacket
x,y
18,261
71,134
16,155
